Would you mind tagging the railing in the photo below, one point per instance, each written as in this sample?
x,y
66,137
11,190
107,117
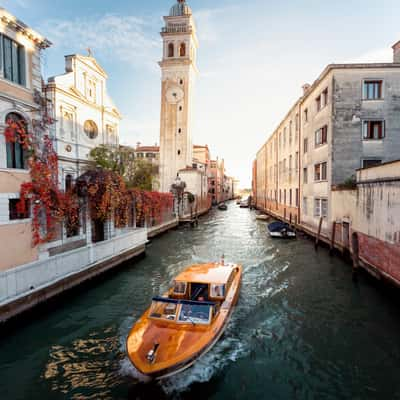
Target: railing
x,y
177,29
26,278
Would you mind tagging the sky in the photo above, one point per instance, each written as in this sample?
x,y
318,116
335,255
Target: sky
x,y
254,56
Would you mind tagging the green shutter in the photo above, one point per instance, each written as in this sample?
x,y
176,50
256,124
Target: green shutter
x,y
7,59
22,69
15,62
9,150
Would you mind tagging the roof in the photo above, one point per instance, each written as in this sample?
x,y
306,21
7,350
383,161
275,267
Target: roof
x,y
180,9
206,273
20,26
148,148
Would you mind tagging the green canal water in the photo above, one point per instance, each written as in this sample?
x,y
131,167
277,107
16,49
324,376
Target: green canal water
x,y
302,329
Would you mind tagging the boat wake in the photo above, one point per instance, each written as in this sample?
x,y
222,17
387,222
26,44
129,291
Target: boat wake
x,y
224,352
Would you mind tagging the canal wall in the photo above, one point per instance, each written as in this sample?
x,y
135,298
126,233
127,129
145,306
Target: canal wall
x,y
27,285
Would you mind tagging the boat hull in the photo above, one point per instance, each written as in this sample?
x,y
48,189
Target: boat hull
x,y
193,341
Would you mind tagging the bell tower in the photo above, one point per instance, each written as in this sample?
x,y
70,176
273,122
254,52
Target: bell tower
x,y
178,74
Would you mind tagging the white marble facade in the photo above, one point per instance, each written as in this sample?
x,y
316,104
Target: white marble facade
x,y
86,117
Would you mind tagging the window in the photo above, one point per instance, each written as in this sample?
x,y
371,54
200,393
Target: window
x,y
14,212
68,183
296,162
305,145
179,130
16,155
290,132
373,130
171,50
321,136
180,287
305,206
324,98
305,175
180,108
284,196
297,123
290,164
181,81
372,90
217,290
284,137
320,172
318,103
290,197
179,152
140,155
320,207
90,128
13,58
182,50
370,163
306,115
297,197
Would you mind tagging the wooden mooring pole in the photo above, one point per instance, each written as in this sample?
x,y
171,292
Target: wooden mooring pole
x,y
332,248
319,233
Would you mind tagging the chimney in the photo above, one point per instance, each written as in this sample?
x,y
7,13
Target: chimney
x,y
305,88
396,52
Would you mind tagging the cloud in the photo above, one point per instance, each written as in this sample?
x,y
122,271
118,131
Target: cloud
x,y
377,55
18,3
126,38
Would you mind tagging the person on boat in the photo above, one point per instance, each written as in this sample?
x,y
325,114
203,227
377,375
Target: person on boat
x,y
200,298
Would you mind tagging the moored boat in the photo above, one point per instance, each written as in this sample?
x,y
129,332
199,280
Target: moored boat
x,y
281,230
262,217
222,207
186,322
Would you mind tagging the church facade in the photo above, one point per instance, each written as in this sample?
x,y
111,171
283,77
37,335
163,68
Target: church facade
x,y
85,115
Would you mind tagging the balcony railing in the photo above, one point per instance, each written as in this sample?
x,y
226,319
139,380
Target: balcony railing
x,y
177,29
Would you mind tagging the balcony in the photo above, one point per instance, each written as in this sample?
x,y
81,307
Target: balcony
x,y
177,29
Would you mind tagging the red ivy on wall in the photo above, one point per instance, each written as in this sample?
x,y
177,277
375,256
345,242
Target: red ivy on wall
x,y
49,204
105,191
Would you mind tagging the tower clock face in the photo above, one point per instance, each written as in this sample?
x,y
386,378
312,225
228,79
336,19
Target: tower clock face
x,y
174,94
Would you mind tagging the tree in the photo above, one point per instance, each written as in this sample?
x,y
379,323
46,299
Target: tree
x,y
137,173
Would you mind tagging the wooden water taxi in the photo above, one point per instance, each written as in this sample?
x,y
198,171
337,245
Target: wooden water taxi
x,y
262,217
186,322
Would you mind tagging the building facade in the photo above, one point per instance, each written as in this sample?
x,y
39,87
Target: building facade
x,y
178,74
20,99
85,115
345,120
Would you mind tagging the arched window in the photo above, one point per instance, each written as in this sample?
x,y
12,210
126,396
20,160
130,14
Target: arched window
x,y
171,50
16,155
68,183
90,129
182,50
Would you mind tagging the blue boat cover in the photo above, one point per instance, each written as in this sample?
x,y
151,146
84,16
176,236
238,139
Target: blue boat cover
x,y
278,226
175,301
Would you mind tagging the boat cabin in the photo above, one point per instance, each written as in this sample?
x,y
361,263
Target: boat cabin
x,y
196,295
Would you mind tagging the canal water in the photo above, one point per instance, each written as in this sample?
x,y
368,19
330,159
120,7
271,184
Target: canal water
x,y
302,329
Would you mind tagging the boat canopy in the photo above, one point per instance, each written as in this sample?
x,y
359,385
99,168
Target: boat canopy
x,y
206,273
277,226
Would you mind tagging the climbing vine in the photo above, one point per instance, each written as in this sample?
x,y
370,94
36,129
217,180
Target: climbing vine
x,y
104,191
49,204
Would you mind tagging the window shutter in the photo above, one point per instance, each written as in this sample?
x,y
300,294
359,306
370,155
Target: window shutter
x,y
22,69
10,151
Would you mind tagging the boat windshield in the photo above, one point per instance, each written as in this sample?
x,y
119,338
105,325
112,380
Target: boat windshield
x,y
163,310
195,313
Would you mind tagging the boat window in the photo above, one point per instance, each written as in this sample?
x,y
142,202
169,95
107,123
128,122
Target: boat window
x,y
163,310
180,287
217,290
195,313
